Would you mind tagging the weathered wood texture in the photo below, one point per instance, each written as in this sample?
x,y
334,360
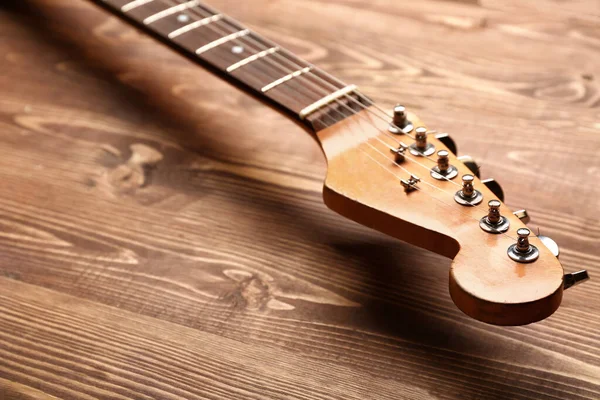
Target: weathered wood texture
x,y
163,235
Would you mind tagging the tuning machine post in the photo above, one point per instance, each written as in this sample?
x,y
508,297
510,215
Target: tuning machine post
x,y
494,222
421,147
400,123
468,195
399,153
443,170
523,251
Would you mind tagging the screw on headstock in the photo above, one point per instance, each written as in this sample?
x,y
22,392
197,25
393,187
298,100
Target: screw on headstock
x,y
410,184
399,153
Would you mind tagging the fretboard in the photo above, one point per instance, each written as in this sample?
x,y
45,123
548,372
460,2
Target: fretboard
x,y
244,58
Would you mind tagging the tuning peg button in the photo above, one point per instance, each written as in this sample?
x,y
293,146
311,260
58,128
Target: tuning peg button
x,y
470,163
494,187
550,244
523,215
575,278
447,141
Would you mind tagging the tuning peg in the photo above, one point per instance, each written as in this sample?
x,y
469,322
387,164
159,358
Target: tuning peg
x,y
470,163
421,147
523,251
523,215
575,278
400,123
494,187
550,244
447,141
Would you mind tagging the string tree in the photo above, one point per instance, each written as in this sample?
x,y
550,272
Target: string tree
x,y
410,184
399,153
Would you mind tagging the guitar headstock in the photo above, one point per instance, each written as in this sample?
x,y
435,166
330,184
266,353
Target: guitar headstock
x,y
501,273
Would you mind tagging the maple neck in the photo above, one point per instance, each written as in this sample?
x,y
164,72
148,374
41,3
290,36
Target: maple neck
x,y
244,58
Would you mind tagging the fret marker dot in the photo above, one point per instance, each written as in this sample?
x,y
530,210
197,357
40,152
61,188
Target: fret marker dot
x,y
237,49
183,18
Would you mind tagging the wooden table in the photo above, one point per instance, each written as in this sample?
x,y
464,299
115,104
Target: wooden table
x,y
163,235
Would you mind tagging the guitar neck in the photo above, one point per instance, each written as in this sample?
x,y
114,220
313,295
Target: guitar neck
x,y
244,58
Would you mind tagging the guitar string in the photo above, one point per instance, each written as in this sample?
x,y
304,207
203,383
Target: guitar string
x,y
280,66
435,198
169,2
311,73
354,124
277,54
192,10
351,110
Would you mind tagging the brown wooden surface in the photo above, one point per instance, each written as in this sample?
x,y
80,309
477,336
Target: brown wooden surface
x,y
163,235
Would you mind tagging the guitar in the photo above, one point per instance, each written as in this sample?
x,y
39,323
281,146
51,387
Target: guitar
x,y
386,170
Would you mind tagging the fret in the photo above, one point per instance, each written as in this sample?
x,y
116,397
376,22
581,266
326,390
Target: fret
x,y
330,98
252,58
143,11
244,58
286,78
218,42
171,11
194,25
134,4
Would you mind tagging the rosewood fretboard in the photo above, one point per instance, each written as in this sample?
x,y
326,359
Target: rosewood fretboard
x,y
244,58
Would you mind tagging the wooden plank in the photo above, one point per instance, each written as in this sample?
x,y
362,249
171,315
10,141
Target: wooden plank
x,y
69,348
150,202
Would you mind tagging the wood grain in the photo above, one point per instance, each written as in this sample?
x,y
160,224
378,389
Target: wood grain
x,y
163,235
